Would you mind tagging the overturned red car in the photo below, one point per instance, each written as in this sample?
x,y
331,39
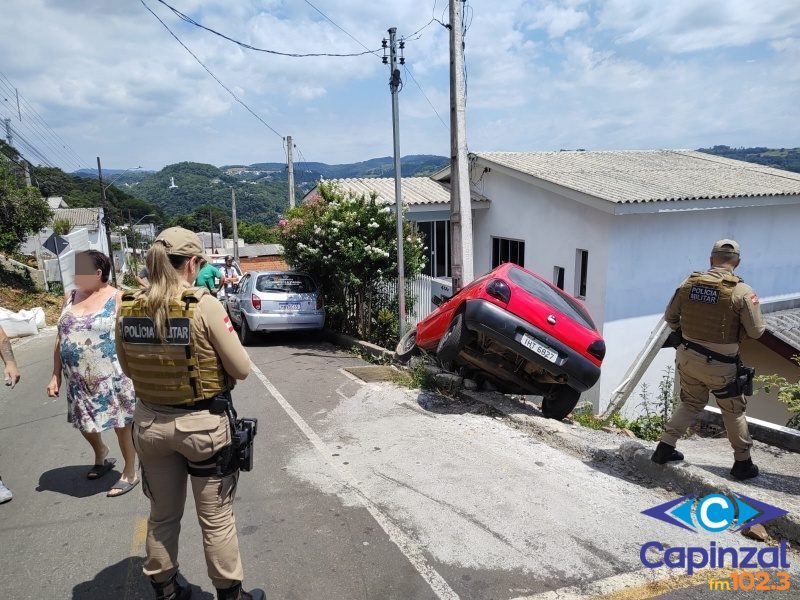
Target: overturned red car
x,y
518,331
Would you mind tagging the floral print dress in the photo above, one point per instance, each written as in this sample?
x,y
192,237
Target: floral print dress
x,y
99,395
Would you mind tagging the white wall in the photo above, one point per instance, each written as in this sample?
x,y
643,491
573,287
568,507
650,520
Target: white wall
x,y
650,254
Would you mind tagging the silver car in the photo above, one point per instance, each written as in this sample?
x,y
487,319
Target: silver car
x,y
275,301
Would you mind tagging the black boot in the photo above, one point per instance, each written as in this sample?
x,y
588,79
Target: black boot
x,y
665,453
236,593
175,588
744,469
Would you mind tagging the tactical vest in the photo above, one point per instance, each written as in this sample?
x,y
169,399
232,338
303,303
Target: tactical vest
x,y
707,311
180,370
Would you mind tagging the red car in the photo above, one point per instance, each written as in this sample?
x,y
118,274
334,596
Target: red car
x,y
518,331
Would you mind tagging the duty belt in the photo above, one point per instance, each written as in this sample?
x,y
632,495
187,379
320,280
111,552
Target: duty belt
x,y
710,354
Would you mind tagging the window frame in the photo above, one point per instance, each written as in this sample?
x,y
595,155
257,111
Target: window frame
x,y
497,251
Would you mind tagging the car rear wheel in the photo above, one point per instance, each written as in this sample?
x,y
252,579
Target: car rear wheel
x,y
246,335
453,340
559,403
407,346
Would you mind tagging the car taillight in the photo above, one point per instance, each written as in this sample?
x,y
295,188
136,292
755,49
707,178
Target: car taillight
x,y
256,301
499,289
320,301
598,349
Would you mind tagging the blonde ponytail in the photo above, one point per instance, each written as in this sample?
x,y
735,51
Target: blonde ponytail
x,y
165,284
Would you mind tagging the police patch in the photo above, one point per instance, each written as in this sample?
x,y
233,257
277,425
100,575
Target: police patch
x,y
706,294
140,330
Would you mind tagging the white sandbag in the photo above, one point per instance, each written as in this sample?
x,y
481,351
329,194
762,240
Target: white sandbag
x,y
18,324
38,313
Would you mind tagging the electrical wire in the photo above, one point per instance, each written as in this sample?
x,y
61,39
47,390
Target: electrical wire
x,y
210,72
340,28
41,140
34,150
191,21
30,110
414,79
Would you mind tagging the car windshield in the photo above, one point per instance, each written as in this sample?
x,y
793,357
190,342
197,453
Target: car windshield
x,y
285,282
552,296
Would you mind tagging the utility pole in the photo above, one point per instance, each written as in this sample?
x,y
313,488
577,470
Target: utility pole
x,y
19,112
9,135
106,221
211,229
290,162
394,85
460,196
235,225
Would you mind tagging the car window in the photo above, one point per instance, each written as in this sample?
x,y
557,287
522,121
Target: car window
x,y
285,282
552,296
243,283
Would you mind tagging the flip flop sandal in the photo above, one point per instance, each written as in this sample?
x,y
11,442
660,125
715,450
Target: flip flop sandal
x,y
97,471
124,488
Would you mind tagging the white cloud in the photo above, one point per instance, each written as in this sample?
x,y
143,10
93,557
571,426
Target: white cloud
x,y
557,20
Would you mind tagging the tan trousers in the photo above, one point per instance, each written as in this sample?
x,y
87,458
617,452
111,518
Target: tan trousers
x,y
697,378
166,440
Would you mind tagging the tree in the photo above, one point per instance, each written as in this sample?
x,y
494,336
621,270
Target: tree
x,y
199,220
22,210
259,233
349,244
61,226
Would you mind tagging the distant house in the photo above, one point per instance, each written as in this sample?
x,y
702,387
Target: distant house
x,y
90,219
428,205
262,257
55,202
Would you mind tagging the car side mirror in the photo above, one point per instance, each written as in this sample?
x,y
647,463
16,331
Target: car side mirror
x,y
437,301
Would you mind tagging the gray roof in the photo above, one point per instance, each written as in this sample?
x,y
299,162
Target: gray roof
x,y
650,175
785,325
56,202
79,217
416,191
252,250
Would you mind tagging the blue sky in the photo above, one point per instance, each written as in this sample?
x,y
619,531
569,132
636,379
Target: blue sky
x,y
618,74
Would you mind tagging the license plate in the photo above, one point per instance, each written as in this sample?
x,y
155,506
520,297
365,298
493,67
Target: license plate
x,y
539,348
290,307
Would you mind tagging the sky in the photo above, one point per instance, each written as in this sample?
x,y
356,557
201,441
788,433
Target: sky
x,y
110,81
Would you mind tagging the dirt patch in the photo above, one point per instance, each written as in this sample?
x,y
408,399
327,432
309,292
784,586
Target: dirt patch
x,y
16,300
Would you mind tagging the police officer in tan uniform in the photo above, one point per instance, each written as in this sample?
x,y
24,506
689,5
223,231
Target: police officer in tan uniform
x,y
176,343
712,312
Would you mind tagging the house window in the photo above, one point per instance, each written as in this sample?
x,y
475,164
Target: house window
x,y
581,272
436,236
558,277
505,250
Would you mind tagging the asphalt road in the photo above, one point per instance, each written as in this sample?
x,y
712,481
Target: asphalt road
x,y
359,491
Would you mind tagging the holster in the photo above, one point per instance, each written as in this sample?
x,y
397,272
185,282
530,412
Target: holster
x,y
742,384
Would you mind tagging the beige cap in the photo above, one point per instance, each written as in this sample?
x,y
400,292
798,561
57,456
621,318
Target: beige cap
x,y
182,242
726,246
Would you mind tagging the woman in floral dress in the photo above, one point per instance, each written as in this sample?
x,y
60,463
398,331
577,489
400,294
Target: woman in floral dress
x,y
99,396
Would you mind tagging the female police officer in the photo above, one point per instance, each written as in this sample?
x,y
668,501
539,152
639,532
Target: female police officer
x,y
177,345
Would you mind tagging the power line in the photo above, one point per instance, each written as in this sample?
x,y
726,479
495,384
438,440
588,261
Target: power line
x,y
210,72
34,150
37,117
340,28
36,132
426,96
191,21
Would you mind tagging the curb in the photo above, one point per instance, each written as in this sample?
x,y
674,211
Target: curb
x,y
763,431
683,478
348,342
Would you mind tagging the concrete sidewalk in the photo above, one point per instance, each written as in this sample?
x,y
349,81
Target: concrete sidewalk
x,y
705,470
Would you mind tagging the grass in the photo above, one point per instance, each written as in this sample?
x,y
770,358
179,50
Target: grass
x,y
17,292
416,377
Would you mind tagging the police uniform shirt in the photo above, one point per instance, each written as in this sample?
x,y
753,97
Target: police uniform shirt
x,y
745,305
218,334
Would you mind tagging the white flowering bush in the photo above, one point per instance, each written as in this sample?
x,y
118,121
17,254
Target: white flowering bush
x,y
349,244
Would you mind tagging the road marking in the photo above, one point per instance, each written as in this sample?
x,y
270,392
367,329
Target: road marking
x,y
408,546
636,585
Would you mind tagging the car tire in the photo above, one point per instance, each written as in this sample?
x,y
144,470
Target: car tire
x,y
407,346
453,340
246,335
560,402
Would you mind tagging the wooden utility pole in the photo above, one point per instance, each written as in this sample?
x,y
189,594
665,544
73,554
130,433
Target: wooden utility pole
x,y
235,225
460,197
106,221
9,135
290,162
211,229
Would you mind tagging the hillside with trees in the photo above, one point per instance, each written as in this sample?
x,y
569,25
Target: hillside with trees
x,y
780,158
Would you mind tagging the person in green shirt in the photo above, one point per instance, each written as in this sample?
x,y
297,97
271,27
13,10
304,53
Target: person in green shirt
x,y
207,278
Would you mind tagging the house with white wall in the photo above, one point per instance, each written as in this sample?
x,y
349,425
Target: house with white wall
x,y
622,229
